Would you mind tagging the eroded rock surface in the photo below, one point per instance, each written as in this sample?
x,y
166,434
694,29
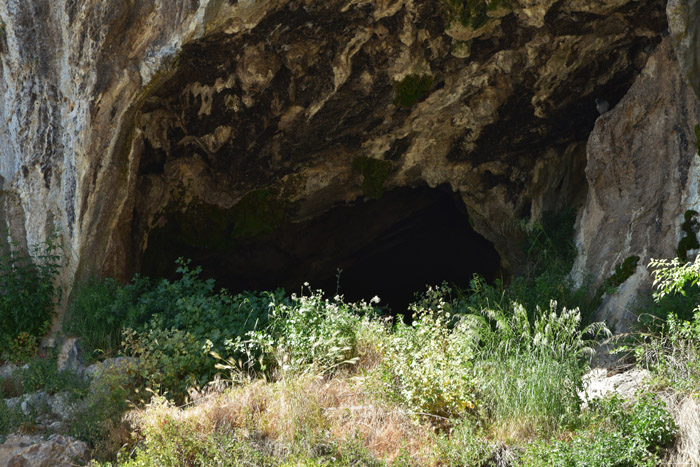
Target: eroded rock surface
x,y
643,175
38,451
683,23
129,124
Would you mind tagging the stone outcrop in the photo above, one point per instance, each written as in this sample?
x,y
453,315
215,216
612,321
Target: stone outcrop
x,y
125,123
643,175
38,451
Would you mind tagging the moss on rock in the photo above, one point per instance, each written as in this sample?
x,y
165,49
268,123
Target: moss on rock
x,y
476,13
374,173
410,89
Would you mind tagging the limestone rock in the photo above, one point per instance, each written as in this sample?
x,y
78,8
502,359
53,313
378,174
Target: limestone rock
x,y
643,174
70,356
685,32
37,451
121,118
598,383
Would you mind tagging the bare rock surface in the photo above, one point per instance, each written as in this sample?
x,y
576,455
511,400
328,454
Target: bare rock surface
x,y
38,451
643,174
685,32
601,382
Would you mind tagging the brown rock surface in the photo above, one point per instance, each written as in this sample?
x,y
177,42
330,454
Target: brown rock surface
x,y
38,451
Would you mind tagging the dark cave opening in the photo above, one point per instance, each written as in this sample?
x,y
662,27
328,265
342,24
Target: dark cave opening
x,y
391,247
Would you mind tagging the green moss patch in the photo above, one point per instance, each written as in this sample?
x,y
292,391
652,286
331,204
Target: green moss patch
x,y
374,173
475,13
690,227
410,89
260,212
697,137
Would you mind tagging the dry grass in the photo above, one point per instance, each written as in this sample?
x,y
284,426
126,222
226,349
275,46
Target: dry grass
x,y
300,410
686,413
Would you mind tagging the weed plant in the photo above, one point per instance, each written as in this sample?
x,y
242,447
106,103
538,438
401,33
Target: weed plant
x,y
28,294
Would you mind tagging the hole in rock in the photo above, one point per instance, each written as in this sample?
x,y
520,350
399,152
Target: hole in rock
x,y
391,247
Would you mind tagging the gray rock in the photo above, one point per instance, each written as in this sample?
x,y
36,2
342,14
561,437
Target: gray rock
x,y
7,370
642,174
96,370
70,356
601,382
37,451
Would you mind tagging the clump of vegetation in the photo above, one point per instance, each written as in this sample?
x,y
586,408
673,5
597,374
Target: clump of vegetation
x,y
257,213
479,376
689,227
28,295
374,173
617,433
411,88
697,136
475,13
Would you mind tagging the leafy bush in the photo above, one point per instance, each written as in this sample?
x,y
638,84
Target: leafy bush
x,y
10,419
627,435
307,333
97,314
669,346
41,374
427,364
27,291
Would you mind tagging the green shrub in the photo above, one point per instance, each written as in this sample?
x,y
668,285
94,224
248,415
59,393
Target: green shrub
x,y
169,360
27,290
531,369
427,364
97,314
307,333
10,419
669,345
616,434
41,374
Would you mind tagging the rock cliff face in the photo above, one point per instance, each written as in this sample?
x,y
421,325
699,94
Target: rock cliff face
x,y
144,128
643,175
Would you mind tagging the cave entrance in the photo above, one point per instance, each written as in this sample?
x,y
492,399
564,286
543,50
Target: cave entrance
x,y
391,247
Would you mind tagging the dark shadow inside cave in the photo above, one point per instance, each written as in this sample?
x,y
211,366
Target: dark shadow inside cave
x,y
391,247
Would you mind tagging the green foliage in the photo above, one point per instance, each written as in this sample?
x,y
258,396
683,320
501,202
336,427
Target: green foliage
x,y
307,333
97,314
427,364
10,419
456,359
672,277
669,346
257,213
465,446
689,227
697,137
374,173
22,348
41,374
617,434
475,13
411,89
531,368
550,252
27,291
